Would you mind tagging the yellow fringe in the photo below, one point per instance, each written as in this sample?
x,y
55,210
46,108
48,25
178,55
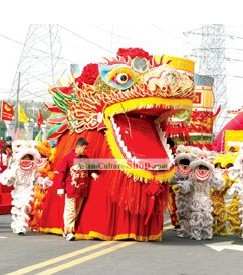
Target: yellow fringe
x,y
95,235
57,231
140,103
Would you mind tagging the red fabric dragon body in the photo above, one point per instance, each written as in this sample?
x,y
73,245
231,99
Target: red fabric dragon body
x,y
121,106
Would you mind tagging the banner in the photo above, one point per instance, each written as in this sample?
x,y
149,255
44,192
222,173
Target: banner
x,y
201,123
7,111
40,118
22,115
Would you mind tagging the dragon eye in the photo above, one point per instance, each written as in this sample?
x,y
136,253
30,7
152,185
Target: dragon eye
x,y
121,78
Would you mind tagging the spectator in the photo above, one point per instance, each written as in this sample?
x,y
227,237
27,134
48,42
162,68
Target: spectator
x,y
8,140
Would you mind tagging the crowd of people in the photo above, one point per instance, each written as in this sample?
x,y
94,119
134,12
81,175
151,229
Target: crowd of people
x,y
196,194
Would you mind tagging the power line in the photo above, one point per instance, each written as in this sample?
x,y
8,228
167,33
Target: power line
x,y
203,34
112,33
236,37
234,49
237,76
85,39
162,30
234,59
23,44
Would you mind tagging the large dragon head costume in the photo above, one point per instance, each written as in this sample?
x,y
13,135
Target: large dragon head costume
x,y
121,106
130,99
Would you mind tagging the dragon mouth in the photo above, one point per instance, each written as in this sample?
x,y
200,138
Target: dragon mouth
x,y
139,136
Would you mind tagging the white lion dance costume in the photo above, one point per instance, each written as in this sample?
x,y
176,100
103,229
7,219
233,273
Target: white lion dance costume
x,y
202,177
22,174
185,155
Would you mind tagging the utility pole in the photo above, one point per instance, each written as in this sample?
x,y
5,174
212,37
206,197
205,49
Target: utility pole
x,y
33,109
17,101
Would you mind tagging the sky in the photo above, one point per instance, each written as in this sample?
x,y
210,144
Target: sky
x,y
85,43
88,34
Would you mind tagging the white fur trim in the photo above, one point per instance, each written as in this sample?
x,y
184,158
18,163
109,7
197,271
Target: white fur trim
x,y
28,151
197,162
181,156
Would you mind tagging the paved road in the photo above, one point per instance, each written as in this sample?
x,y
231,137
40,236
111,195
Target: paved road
x,y
38,253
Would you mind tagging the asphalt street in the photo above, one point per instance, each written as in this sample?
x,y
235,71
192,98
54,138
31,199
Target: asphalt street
x,y
38,253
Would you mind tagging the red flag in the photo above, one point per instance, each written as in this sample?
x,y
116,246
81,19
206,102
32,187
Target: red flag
x,y
7,111
40,118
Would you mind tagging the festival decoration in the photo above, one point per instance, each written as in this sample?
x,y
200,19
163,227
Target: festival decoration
x,y
196,128
202,116
230,135
22,115
7,111
121,106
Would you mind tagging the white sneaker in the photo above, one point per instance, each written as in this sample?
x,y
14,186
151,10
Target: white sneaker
x,y
180,235
198,238
70,237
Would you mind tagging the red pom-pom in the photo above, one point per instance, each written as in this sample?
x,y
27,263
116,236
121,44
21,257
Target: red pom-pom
x,y
133,52
88,75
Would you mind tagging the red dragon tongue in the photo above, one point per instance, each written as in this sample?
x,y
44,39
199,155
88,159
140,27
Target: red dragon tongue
x,y
140,137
